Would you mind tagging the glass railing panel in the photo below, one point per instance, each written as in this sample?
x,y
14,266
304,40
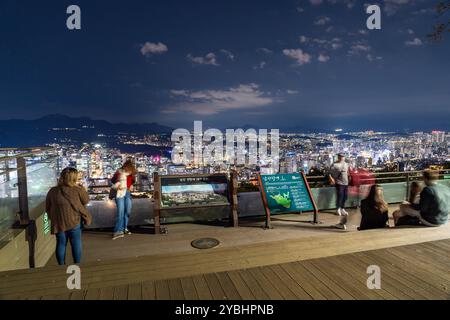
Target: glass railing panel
x,y
394,192
9,206
40,178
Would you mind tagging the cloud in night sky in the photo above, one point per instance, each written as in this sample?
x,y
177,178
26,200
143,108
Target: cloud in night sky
x,y
391,7
298,55
209,59
323,57
321,21
230,55
150,48
416,42
210,102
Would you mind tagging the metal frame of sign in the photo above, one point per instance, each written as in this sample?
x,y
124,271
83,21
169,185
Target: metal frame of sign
x,y
266,204
157,196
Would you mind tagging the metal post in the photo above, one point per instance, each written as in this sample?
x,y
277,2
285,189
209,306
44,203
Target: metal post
x,y
23,191
234,199
157,202
7,176
407,185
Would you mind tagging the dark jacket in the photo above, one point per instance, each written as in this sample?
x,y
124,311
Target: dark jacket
x,y
372,218
66,207
434,204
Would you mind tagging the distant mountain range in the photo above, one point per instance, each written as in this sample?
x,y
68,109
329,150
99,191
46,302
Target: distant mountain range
x,y
16,133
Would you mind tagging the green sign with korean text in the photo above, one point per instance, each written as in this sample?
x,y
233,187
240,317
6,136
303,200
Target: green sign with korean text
x,y
286,193
46,224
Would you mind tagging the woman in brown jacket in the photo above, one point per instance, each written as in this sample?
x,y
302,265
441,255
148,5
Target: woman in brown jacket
x,y
66,207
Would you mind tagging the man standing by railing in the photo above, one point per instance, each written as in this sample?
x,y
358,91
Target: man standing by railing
x,y
339,177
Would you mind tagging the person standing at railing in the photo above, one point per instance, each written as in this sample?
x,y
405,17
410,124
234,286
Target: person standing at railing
x,y
433,207
66,207
122,183
339,177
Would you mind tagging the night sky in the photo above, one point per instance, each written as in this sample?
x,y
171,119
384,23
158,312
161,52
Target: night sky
x,y
308,64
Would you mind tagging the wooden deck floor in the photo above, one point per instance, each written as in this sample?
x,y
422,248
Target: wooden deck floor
x,y
297,241
419,271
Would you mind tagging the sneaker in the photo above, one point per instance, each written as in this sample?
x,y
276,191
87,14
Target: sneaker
x,y
126,231
345,213
117,235
339,212
341,226
343,220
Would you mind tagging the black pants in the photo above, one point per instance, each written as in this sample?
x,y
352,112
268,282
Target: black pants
x,y
341,195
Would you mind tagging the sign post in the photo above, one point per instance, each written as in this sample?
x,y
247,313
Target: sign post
x,y
286,193
157,204
234,199
265,203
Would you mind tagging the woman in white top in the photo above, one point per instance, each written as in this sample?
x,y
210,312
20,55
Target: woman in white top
x,y
123,181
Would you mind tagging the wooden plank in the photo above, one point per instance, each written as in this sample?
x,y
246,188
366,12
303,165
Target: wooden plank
x,y
328,281
360,273
243,290
299,292
398,286
65,296
349,284
257,291
202,288
107,293
175,289
439,256
121,292
78,295
148,290
215,287
162,290
388,281
275,280
265,284
413,277
425,266
358,278
406,258
301,281
144,274
135,291
228,287
93,294
189,291
308,276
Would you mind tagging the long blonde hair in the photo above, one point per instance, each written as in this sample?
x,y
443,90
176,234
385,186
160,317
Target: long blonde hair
x,y
68,178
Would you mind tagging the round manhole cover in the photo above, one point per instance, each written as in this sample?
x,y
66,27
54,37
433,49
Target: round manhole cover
x,y
205,243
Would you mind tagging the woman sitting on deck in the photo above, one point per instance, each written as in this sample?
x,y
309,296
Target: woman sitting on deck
x,y
374,210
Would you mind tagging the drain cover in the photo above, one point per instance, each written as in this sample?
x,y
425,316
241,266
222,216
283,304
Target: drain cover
x,y
205,243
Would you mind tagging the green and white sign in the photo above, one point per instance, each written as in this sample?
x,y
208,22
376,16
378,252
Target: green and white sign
x,y
286,193
46,224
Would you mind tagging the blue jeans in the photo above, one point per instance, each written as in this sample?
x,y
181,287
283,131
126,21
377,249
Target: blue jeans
x,y
74,236
341,195
123,212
